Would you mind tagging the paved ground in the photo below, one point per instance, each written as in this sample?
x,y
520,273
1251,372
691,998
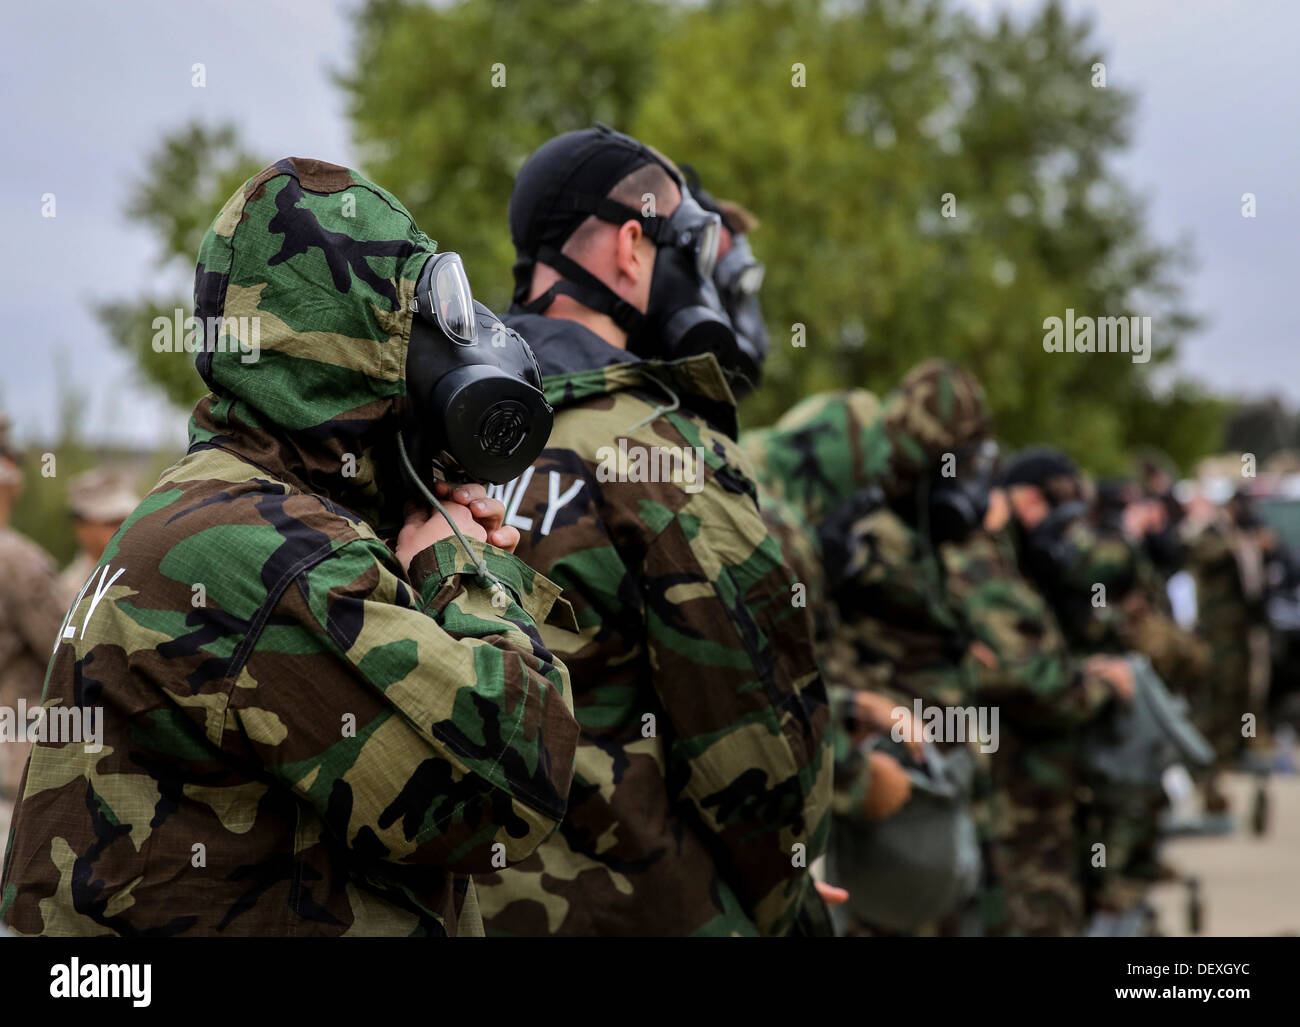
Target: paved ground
x,y
1249,885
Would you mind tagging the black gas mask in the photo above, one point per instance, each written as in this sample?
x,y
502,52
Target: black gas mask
x,y
685,315
1048,554
475,406
959,502
1166,549
738,277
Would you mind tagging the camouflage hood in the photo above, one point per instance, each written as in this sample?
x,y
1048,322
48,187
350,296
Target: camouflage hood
x,y
937,408
304,286
829,447
821,452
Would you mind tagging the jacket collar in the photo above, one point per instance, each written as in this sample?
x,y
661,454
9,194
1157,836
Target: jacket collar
x,y
577,364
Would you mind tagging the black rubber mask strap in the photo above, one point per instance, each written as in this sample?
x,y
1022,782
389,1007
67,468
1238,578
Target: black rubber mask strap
x,y
614,213
586,288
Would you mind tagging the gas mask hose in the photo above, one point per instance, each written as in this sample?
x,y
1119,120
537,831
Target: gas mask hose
x,y
658,410
478,562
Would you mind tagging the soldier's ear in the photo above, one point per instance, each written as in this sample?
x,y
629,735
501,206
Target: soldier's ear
x,y
632,257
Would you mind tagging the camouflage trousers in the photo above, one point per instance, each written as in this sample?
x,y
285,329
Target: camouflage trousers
x,y
1036,864
1035,842
1226,697
1124,821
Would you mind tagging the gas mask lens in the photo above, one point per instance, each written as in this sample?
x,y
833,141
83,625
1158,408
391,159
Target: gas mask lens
x,y
706,246
751,279
984,460
699,233
739,273
444,291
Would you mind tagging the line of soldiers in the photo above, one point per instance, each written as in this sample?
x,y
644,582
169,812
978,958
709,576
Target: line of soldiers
x,y
614,694
949,579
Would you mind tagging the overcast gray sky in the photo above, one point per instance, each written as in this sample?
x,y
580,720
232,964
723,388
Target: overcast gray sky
x,y
87,89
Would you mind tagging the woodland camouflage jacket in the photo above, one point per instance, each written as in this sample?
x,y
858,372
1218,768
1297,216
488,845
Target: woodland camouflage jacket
x,y
299,737
702,785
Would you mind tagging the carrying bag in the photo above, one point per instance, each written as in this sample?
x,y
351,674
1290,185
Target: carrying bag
x,y
1136,742
921,864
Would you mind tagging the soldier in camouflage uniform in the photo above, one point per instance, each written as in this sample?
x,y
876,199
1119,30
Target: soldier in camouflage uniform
x,y
302,734
871,785
1142,522
1226,562
951,621
30,614
1108,599
1124,513
702,784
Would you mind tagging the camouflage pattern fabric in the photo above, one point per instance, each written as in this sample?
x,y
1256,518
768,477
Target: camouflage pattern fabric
x,y
959,627
821,452
1227,608
1179,656
30,615
1044,695
1108,601
909,615
802,552
299,738
936,409
702,787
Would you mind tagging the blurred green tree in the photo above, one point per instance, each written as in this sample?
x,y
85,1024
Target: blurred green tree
x,y
1261,427
933,187
42,511
926,184
447,102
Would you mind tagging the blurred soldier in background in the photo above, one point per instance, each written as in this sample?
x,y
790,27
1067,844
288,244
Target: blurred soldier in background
x,y
870,783
1227,563
1123,513
930,607
1148,518
1161,535
702,786
1089,560
30,615
100,500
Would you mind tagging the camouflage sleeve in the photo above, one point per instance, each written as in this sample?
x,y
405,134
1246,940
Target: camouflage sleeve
x,y
852,771
734,668
1103,572
430,729
802,554
32,596
1018,657
1178,656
